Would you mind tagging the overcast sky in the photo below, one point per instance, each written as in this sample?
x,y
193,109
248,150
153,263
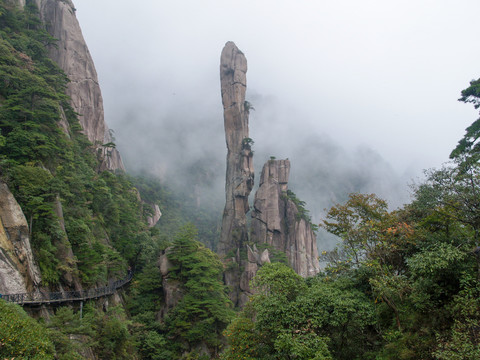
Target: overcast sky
x,y
377,73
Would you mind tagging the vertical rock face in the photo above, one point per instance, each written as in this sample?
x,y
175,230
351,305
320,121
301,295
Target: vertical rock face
x,y
72,55
18,272
276,220
239,177
172,289
156,215
65,253
255,259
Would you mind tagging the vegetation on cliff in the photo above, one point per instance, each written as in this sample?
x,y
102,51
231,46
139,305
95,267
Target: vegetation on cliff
x,y
400,285
46,165
86,227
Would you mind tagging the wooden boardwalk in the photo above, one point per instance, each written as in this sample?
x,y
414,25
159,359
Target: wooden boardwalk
x,y
41,297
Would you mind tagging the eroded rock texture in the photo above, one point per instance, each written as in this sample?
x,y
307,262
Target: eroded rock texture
x,y
276,220
73,57
64,252
255,259
239,177
172,289
156,214
18,272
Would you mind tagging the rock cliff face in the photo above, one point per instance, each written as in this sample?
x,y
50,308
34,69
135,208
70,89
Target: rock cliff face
x,y
239,177
72,55
65,252
18,272
255,259
172,290
156,214
276,220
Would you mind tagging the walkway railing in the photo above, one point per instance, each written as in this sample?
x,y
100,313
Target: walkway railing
x,y
41,297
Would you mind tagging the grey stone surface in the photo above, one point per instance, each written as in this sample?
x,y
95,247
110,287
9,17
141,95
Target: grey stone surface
x,y
18,271
240,173
275,220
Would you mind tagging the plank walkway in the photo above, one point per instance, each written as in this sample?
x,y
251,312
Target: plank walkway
x,y
41,297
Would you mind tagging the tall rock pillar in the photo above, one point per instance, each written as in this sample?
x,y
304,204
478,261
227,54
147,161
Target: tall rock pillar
x,y
239,177
240,174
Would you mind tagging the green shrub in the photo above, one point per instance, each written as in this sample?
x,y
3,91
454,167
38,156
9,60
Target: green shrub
x,y
21,336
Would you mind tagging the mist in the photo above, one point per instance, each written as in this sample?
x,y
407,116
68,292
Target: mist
x,y
361,97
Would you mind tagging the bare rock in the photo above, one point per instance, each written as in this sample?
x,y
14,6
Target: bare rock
x,y
240,173
250,266
156,215
18,271
164,264
64,252
172,289
277,222
301,245
72,55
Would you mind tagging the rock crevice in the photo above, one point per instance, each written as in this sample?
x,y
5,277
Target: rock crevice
x,y
276,220
240,173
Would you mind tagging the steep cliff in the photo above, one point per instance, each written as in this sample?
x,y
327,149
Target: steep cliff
x,y
156,214
239,176
72,55
18,271
277,220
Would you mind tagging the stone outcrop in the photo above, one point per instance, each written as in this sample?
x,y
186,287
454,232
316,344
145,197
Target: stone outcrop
x,y
239,174
18,272
64,252
277,220
239,177
156,214
72,55
255,259
172,289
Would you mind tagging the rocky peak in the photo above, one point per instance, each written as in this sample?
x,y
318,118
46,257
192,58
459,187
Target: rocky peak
x,y
72,55
240,174
277,220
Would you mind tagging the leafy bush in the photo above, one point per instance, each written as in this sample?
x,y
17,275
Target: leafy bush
x,y
21,336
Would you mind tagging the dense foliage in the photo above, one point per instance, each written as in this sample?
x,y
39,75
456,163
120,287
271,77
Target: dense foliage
x,y
48,168
86,226
203,309
400,285
21,336
180,207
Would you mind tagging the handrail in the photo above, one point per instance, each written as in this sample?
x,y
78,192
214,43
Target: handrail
x,y
40,297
